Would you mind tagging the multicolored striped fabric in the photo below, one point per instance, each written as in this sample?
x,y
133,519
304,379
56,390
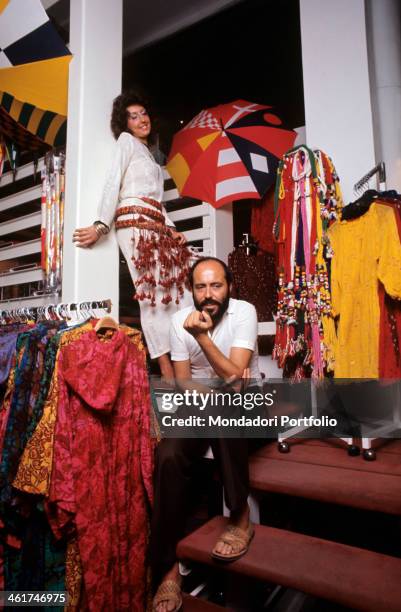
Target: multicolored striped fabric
x,y
30,126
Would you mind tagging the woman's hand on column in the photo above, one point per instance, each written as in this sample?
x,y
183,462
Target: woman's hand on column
x,y
180,238
85,237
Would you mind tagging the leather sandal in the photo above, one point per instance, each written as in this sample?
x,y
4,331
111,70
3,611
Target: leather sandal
x,y
238,539
169,590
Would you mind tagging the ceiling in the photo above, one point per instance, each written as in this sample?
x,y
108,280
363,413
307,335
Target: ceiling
x,y
148,22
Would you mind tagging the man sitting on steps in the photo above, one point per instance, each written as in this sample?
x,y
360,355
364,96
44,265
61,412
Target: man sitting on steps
x,y
216,340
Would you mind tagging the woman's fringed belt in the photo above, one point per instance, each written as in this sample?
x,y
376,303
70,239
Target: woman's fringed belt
x,y
137,210
158,251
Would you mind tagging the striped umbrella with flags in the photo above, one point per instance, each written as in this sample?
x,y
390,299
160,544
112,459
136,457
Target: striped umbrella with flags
x,y
229,152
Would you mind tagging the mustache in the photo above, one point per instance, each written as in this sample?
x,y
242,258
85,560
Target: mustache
x,y
209,302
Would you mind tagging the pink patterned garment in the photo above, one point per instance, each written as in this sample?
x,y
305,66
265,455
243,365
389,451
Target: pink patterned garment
x,y
101,487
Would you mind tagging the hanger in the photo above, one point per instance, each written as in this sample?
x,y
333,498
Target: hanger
x,y
47,313
22,315
60,313
106,323
91,309
80,311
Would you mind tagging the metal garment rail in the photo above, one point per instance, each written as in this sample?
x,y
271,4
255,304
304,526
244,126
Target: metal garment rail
x,y
363,182
60,310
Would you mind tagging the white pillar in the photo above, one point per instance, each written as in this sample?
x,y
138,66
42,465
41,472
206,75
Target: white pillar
x,y
222,231
95,79
384,38
338,110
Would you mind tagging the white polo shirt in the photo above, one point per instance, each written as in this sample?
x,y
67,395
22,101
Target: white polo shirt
x,y
237,328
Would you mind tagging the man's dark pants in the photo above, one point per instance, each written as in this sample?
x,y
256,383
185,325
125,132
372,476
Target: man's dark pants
x,y
175,458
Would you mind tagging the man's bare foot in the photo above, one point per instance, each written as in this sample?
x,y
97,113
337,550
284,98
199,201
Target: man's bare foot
x,y
168,596
239,519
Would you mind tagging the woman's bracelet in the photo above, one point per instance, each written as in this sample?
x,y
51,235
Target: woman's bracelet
x,y
101,228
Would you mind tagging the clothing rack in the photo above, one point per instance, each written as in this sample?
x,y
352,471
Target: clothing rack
x,y
363,182
40,406
54,311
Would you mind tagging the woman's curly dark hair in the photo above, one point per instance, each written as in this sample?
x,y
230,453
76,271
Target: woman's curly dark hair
x,y
118,122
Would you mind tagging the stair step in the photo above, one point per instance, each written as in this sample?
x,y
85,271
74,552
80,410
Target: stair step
x,y
362,489
195,604
350,576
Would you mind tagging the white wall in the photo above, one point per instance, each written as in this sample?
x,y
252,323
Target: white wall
x,y
338,110
384,44
95,79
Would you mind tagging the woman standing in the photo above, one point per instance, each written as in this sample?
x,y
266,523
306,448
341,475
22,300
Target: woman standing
x,y
155,252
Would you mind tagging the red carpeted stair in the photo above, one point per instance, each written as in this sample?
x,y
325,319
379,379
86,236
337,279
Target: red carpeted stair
x,y
323,471
343,574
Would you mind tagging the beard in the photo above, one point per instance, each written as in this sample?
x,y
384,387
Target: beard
x,y
221,307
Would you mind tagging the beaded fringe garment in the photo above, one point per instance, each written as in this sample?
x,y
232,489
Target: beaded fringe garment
x,y
159,252
160,259
307,201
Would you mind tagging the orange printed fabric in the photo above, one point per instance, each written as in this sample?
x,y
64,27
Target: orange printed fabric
x,y
73,576
4,409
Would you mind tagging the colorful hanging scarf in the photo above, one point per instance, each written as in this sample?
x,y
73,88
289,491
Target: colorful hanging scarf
x,y
307,201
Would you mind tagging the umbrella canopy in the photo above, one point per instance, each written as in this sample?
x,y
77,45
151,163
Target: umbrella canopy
x,y
229,152
33,75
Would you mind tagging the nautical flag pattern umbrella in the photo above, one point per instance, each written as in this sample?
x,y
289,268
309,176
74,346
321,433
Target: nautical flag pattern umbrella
x,y
229,152
33,75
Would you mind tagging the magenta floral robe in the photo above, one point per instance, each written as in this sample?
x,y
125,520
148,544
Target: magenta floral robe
x,y
101,487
